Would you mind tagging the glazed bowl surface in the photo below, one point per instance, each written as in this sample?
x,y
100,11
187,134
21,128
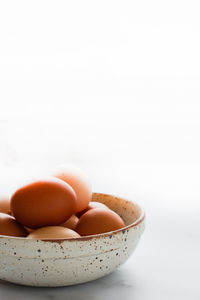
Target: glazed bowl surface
x,y
73,261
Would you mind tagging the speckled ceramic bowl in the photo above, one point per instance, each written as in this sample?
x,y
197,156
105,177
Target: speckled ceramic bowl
x,y
67,262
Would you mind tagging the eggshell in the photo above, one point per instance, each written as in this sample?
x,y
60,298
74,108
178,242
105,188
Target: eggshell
x,y
29,230
4,204
10,227
71,222
78,181
92,205
44,202
97,221
53,232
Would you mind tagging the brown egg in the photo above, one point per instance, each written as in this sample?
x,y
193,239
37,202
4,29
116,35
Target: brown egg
x,y
43,203
4,204
91,205
71,222
53,232
78,182
10,227
29,230
99,220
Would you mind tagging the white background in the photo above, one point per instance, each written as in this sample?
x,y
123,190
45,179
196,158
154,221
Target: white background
x,y
113,87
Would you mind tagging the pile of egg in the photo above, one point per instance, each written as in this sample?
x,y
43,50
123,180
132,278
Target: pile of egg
x,y
56,207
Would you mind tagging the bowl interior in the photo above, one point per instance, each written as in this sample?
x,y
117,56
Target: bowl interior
x,y
130,212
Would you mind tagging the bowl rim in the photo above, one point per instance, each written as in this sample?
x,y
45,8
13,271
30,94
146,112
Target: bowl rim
x,y
139,220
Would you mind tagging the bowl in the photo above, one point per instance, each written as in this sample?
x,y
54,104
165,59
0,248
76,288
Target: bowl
x,y
72,261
